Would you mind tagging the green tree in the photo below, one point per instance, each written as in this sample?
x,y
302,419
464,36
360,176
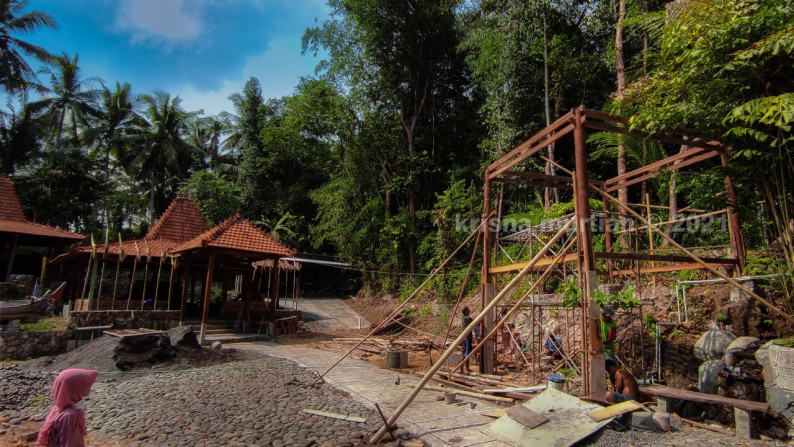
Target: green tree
x,y
20,141
216,197
725,68
15,73
160,156
69,103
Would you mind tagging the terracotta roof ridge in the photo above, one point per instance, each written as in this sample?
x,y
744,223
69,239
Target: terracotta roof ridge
x,y
221,228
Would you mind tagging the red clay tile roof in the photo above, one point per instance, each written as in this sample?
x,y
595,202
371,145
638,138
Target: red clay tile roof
x,y
10,208
181,222
237,233
13,220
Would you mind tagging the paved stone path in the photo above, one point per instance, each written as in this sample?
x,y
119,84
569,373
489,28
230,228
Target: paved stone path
x,y
329,314
437,423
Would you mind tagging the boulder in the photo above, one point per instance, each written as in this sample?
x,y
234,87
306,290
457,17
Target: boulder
x,y
146,349
712,345
707,375
739,346
183,336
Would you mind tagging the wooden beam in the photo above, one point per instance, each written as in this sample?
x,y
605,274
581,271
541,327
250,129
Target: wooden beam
x,y
528,152
655,166
667,268
543,262
662,258
674,167
530,142
679,141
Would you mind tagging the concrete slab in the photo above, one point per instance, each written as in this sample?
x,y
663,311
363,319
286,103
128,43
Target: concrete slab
x,y
329,314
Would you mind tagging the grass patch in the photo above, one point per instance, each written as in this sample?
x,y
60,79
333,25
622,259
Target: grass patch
x,y
39,326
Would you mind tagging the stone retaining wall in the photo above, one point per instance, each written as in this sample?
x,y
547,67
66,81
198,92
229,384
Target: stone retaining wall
x,y
778,363
126,319
28,344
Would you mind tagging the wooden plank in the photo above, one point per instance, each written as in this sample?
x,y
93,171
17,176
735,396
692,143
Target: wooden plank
x,y
662,258
526,153
129,333
614,410
544,262
525,416
528,389
667,268
342,417
496,414
531,141
675,393
468,393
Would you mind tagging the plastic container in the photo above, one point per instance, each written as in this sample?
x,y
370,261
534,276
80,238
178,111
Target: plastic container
x,y
555,381
396,358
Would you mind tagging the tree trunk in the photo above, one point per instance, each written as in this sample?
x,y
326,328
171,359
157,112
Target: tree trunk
x,y
623,193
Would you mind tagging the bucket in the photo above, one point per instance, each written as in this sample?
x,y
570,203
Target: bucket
x,y
396,358
450,397
555,381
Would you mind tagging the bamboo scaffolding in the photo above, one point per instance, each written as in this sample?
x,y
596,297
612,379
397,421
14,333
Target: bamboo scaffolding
x,y
477,320
405,303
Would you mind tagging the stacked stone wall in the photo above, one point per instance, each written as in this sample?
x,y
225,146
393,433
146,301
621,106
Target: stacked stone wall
x,y
29,344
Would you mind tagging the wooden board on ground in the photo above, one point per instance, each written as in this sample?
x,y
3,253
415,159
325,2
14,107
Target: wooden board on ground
x,y
496,414
525,416
128,333
510,389
342,417
614,410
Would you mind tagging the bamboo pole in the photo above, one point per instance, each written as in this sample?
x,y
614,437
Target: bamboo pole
x,y
650,233
157,286
146,275
174,261
404,303
480,317
134,271
118,269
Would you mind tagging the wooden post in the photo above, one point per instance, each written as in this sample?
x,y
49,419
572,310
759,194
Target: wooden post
x,y
488,352
650,233
171,281
157,281
734,227
275,277
248,281
11,253
594,378
185,285
607,240
207,295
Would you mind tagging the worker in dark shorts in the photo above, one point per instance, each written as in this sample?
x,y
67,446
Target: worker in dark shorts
x,y
625,384
468,340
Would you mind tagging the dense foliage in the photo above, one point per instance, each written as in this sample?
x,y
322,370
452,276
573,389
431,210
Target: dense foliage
x,y
377,158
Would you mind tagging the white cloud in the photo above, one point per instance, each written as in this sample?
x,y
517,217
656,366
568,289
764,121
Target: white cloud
x,y
159,19
278,70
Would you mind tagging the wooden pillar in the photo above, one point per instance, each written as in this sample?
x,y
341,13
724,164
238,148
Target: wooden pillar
x,y
608,221
488,352
248,284
734,227
594,378
11,253
207,295
185,285
274,285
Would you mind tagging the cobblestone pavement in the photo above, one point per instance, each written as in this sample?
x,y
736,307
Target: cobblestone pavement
x,y
259,401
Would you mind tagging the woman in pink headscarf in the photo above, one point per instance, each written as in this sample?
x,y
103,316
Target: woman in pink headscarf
x,y
65,424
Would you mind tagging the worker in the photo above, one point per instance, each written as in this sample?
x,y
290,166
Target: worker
x,y
624,383
553,346
609,331
467,341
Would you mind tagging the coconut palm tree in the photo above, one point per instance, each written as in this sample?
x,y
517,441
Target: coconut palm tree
x,y
69,103
19,138
15,73
161,155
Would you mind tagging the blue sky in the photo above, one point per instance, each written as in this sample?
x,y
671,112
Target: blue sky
x,y
201,50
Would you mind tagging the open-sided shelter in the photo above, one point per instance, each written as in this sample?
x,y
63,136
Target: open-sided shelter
x,y
16,230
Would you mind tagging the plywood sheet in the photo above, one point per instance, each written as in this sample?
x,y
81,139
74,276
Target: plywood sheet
x,y
568,422
525,416
614,410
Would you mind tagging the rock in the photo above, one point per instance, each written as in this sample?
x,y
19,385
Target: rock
x,y
712,345
216,346
147,349
707,376
183,336
13,326
738,346
738,295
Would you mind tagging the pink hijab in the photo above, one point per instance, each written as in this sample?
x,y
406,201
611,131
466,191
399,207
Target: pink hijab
x,y
69,388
